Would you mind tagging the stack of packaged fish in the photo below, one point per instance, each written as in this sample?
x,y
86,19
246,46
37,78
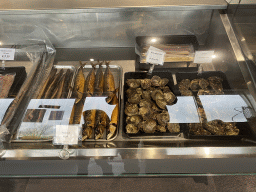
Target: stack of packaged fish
x,y
96,83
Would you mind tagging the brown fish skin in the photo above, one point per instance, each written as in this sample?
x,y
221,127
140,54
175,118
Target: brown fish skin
x,y
112,98
58,90
47,83
67,83
102,121
75,116
89,123
113,123
79,86
53,85
109,82
99,81
89,82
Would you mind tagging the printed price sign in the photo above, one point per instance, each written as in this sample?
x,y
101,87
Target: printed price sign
x,y
203,57
155,56
7,54
66,135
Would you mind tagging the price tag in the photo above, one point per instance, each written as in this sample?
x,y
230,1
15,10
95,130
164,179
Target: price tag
x,y
203,57
7,54
155,56
66,135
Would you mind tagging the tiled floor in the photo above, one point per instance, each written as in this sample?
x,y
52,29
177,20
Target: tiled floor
x,y
205,184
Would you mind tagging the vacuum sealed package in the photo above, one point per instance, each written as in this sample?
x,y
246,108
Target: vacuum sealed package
x,y
21,78
177,48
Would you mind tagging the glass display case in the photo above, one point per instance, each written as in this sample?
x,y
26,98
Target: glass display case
x,y
99,111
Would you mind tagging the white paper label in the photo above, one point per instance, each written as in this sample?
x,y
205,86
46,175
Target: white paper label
x,y
7,54
203,57
155,56
66,135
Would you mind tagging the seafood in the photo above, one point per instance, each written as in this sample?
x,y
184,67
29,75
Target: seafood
x,y
101,122
99,81
149,126
203,83
131,109
145,83
139,91
173,127
112,98
146,95
216,83
186,93
161,128
194,85
145,103
109,82
216,127
130,91
136,119
47,83
163,118
76,112
197,129
58,90
155,92
145,112
53,85
134,98
131,128
156,81
169,97
231,129
165,89
113,123
133,83
184,85
6,84
161,103
67,83
164,82
89,124
89,82
79,85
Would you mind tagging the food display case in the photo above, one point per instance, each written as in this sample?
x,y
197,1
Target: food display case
x,y
103,109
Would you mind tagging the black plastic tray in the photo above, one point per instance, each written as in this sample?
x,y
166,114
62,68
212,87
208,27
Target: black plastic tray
x,y
143,75
243,127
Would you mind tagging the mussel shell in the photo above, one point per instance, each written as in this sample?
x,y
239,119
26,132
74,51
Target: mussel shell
x,y
145,83
132,129
156,81
149,126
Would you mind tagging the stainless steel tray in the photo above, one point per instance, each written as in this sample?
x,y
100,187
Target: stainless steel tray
x,y
58,67
117,73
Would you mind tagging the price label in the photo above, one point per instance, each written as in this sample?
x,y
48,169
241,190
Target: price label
x,y
66,135
203,57
7,54
155,56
